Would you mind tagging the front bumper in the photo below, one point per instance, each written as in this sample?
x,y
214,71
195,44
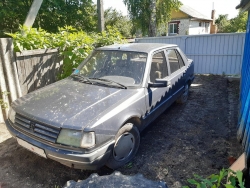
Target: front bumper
x,y
74,159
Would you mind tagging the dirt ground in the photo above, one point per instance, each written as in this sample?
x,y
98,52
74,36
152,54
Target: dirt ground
x,y
195,138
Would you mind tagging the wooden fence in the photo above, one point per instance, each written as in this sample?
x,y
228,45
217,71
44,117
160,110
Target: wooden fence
x,y
21,73
212,54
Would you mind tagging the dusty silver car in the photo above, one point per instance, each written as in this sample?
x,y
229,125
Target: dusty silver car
x,y
95,116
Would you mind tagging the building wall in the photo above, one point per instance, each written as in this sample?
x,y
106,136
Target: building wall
x,y
184,27
195,29
177,15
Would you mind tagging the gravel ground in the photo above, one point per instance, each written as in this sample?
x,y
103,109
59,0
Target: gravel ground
x,y
195,138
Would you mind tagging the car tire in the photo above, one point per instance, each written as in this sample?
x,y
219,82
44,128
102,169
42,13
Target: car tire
x,y
184,96
127,142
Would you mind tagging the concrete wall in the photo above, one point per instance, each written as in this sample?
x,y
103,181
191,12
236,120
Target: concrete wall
x,y
8,75
37,68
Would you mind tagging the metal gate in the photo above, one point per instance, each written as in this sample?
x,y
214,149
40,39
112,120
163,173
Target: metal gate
x,y
244,112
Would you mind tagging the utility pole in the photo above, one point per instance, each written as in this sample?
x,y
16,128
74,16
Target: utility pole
x,y
100,13
33,13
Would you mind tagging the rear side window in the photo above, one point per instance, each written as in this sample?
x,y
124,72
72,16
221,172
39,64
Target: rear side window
x,y
173,61
181,62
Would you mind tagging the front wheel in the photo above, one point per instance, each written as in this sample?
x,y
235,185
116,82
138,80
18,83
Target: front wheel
x,y
127,142
183,98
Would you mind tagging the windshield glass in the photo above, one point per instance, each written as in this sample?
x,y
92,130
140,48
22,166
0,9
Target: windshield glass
x,y
123,67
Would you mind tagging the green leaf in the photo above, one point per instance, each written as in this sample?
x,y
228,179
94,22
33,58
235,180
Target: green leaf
x,y
229,186
192,181
207,182
203,185
239,176
214,178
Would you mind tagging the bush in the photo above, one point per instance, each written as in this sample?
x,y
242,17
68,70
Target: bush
x,y
226,178
74,45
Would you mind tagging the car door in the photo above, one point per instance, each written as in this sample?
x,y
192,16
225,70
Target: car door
x,y
177,75
157,99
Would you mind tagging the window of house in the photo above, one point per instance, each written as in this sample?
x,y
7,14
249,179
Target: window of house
x,y
173,28
206,26
158,67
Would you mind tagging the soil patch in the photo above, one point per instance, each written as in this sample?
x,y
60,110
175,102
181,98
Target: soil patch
x,y
195,138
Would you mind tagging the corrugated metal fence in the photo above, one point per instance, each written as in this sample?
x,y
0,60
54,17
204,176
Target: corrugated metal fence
x,y
212,54
21,73
244,114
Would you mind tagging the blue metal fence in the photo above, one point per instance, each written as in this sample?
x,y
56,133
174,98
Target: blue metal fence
x,y
244,112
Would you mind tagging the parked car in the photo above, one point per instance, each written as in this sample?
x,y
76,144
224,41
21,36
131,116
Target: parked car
x,y
95,116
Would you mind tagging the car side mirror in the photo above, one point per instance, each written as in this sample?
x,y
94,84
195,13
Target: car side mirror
x,y
159,83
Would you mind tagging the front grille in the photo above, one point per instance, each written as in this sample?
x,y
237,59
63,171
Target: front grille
x,y
43,131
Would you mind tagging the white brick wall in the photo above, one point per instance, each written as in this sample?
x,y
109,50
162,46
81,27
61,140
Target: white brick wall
x,y
195,29
184,27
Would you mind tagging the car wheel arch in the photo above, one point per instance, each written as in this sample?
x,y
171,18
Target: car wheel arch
x,y
134,119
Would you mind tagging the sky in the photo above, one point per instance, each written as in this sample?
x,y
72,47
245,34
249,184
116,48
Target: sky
x,y
203,6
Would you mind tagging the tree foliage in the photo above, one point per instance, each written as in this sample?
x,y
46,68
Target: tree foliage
x,y
237,24
222,22
148,14
81,14
115,19
74,45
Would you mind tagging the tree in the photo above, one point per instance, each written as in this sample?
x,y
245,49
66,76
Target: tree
x,y
80,14
13,13
115,19
147,15
221,22
237,24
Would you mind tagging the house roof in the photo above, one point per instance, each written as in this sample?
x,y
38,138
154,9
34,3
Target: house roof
x,y
244,5
193,13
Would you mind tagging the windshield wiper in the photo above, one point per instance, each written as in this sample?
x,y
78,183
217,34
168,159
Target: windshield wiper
x,y
110,81
81,78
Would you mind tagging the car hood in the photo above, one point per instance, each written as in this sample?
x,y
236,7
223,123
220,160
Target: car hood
x,y
69,104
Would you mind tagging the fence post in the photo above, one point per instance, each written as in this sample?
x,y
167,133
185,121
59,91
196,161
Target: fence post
x,y
8,73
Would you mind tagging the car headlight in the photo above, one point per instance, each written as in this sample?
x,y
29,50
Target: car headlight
x,y
12,115
76,138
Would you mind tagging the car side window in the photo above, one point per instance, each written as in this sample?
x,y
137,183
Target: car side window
x,y
158,66
173,60
181,62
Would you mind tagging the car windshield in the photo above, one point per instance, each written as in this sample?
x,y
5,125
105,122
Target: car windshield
x,y
120,67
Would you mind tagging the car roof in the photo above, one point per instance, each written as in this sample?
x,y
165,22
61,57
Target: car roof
x,y
137,47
